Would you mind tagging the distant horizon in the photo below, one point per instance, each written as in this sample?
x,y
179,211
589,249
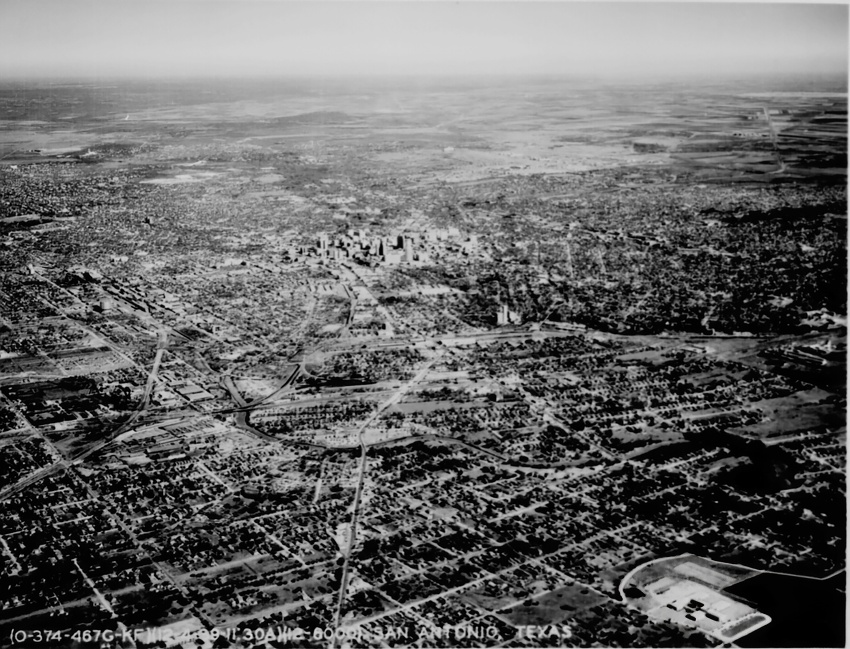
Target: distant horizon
x,y
835,78
208,39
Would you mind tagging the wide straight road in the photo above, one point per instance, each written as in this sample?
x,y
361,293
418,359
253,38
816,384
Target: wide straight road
x,y
352,535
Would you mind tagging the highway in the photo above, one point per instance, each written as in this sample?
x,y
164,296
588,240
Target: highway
x,y
32,478
285,387
161,346
352,535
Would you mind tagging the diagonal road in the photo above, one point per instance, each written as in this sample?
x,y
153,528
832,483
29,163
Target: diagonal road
x,y
143,404
355,513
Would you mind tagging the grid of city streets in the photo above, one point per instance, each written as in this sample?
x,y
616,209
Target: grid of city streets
x,y
288,369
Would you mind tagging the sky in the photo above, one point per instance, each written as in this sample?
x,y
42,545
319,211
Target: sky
x,y
153,38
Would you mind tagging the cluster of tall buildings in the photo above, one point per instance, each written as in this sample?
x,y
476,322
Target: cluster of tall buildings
x,y
409,247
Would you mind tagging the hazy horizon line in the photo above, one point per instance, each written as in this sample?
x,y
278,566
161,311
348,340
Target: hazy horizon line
x,y
176,77
229,38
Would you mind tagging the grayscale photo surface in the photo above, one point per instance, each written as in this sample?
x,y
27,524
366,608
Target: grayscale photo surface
x,y
424,324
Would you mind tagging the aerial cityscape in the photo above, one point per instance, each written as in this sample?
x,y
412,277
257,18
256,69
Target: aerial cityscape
x,y
422,361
